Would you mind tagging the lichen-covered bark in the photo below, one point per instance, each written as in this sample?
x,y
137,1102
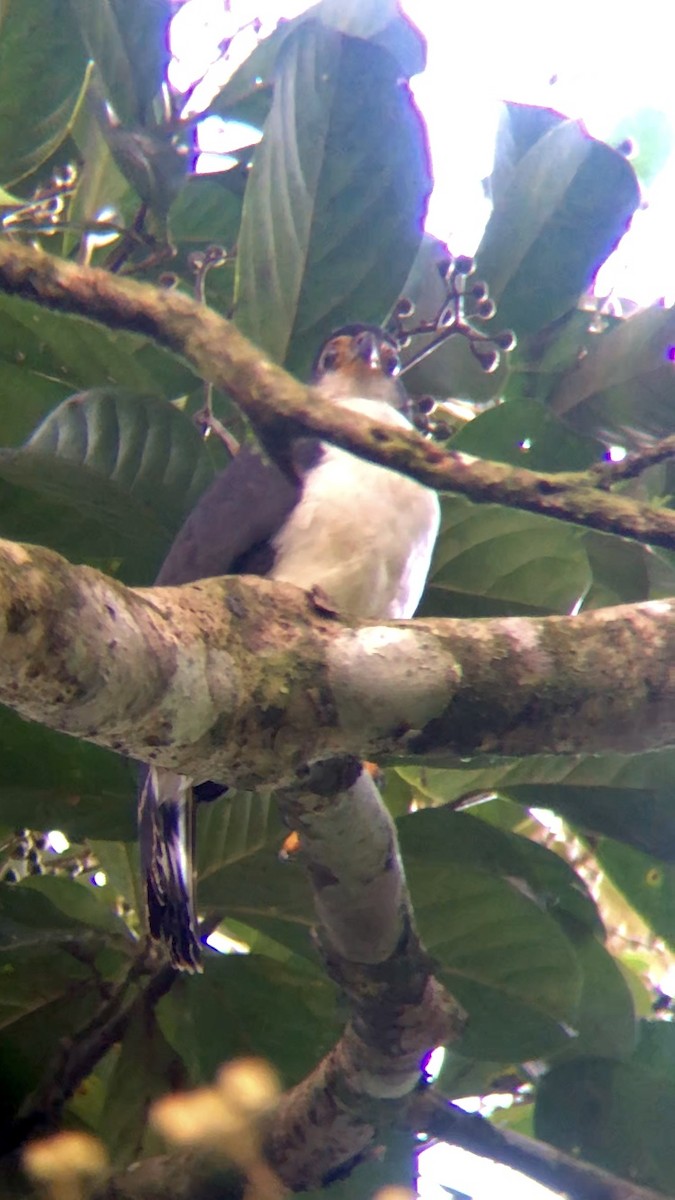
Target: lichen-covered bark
x,y
246,680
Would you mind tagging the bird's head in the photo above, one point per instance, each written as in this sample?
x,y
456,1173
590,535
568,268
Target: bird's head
x,y
359,360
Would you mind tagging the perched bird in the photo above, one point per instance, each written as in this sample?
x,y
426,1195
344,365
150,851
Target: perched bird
x,y
360,533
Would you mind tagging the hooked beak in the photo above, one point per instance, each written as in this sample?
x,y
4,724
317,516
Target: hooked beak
x,y
367,350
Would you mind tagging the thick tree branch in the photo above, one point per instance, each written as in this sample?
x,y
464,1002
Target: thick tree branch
x,y
368,942
274,401
246,680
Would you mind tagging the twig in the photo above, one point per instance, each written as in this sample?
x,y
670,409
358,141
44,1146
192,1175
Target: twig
x,y
609,473
430,1113
77,1056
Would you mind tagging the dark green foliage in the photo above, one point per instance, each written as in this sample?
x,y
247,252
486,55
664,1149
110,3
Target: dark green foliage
x,y
101,461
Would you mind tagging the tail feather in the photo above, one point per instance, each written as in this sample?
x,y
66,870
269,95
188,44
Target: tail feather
x,y
166,814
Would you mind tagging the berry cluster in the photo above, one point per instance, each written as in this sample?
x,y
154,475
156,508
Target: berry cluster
x,y
467,305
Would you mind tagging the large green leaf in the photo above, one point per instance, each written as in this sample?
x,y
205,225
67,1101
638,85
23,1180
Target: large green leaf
x,y
568,203
525,433
449,837
498,949
648,885
232,829
624,384
605,1020
621,571
262,899
520,127
260,891
247,94
123,466
540,359
146,1068
335,198
51,908
495,561
50,781
61,950
216,1016
43,66
616,1114
45,356
45,994
629,798
127,39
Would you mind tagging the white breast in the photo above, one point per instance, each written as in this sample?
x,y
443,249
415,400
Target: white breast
x,y
362,533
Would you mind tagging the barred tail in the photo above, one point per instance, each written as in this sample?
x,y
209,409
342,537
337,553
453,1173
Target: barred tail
x,y
166,820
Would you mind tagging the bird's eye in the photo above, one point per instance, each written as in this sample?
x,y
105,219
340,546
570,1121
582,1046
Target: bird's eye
x,y
391,364
330,359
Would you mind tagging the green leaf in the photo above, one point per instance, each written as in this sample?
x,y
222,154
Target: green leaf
x,y
500,952
520,127
616,1114
380,22
206,213
213,1017
624,797
73,354
242,876
120,862
43,68
620,571
126,466
605,1019
77,903
525,433
56,966
540,360
45,994
568,204
647,884
538,873
625,382
495,561
335,198
146,1068
262,892
50,781
127,39
232,829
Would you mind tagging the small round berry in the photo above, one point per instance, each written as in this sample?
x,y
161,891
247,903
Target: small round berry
x,y
464,264
488,359
506,340
486,309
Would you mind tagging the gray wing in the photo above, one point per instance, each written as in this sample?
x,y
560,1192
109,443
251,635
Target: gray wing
x,y
228,532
